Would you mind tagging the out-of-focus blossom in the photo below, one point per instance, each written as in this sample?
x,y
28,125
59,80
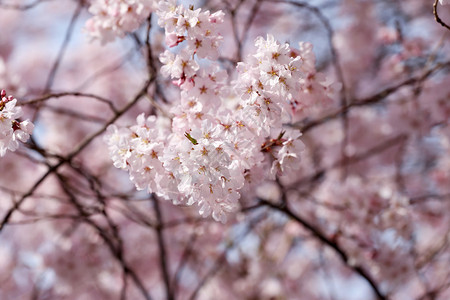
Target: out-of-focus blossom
x,y
115,18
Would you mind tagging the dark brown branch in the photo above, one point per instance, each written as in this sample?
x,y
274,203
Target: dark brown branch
x,y
233,14
62,50
183,261
115,248
436,16
74,153
422,198
150,63
249,22
163,257
374,99
59,57
68,94
332,244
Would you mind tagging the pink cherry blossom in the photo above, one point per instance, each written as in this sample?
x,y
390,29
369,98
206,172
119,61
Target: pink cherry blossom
x,y
224,150
12,130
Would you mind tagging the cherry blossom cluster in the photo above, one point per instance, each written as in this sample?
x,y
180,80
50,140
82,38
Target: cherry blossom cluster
x,y
11,129
220,133
115,18
198,28
365,204
280,80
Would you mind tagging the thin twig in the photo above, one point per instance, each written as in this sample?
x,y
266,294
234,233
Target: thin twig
x,y
374,99
74,153
436,16
62,50
68,94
